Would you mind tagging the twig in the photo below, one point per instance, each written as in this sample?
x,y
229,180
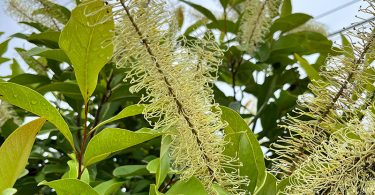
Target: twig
x,y
80,170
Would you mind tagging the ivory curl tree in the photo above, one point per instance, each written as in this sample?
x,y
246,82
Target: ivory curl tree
x,y
122,97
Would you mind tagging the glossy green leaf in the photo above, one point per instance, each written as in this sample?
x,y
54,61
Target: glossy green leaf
x,y
70,187
223,25
130,170
195,26
289,22
286,8
164,162
2,60
153,190
202,10
269,186
219,190
126,112
4,46
15,151
192,186
347,47
53,54
67,88
72,173
303,43
282,185
32,101
36,25
153,165
48,38
33,63
224,3
9,191
112,140
245,146
27,79
108,187
88,43
53,10
16,68
309,69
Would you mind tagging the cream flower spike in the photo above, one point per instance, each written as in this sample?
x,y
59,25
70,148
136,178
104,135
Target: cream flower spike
x,y
256,21
23,10
331,147
6,113
177,82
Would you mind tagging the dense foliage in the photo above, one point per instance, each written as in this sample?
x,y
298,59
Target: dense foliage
x,y
128,97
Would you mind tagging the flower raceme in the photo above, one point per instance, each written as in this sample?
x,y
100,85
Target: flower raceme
x,y
177,82
38,11
331,149
256,21
6,113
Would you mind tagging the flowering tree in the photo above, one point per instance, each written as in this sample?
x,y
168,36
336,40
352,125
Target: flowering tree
x,y
124,96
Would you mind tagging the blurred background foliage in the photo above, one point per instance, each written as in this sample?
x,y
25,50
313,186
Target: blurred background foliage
x,y
263,86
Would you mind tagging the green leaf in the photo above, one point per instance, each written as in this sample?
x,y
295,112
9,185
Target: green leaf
x,y
70,187
32,101
112,140
36,25
48,38
153,190
303,43
309,69
15,151
269,186
33,63
153,165
67,88
282,185
53,54
16,68
53,10
347,47
219,190
202,10
9,191
88,43
27,79
289,22
286,8
126,112
245,146
108,187
73,172
223,25
164,162
195,26
130,170
2,60
192,186
4,46
224,3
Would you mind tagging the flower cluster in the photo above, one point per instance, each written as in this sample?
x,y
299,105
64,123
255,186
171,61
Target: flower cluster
x,y
256,21
331,148
39,11
6,113
176,75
